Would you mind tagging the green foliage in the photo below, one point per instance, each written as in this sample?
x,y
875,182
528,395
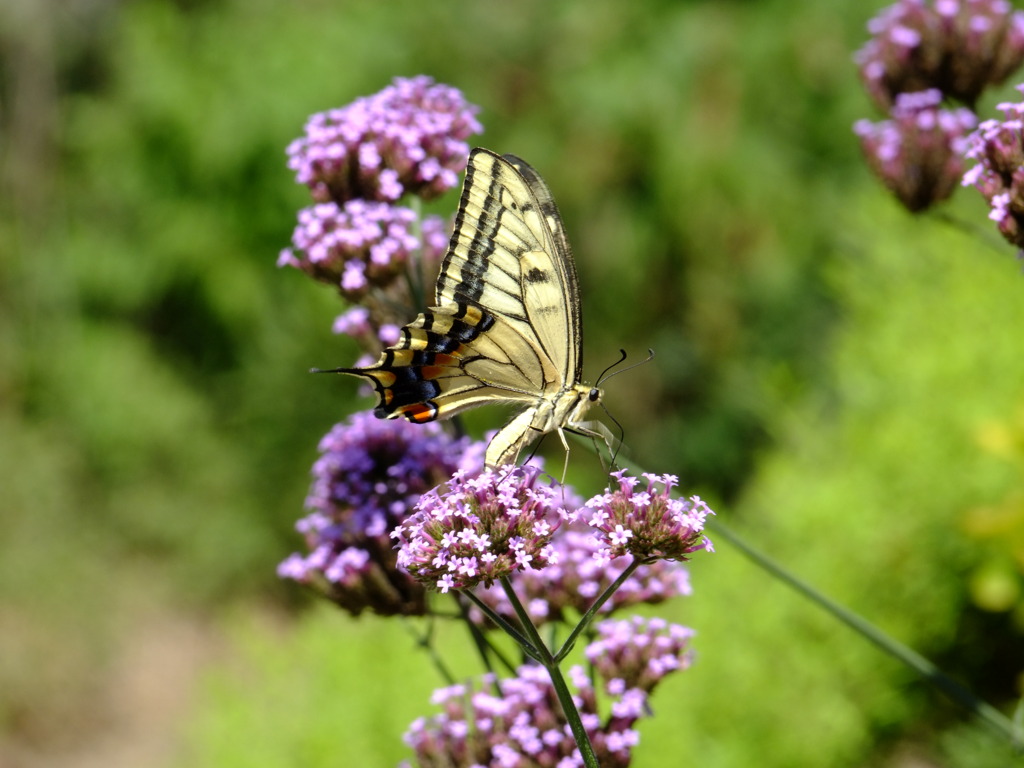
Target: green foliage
x,y
325,691
848,376
866,497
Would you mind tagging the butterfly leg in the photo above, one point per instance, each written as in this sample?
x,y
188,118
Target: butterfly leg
x,y
565,445
597,430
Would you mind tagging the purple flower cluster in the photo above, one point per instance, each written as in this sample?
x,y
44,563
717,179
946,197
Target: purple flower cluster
x,y
503,523
358,160
360,324
920,53
956,46
918,154
481,528
998,149
646,521
408,138
519,721
369,476
578,576
637,653
361,245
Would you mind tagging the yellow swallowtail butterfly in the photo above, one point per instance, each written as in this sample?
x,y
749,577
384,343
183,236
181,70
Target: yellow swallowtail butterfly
x,y
506,325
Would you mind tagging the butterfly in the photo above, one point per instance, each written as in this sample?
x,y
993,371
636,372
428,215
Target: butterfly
x,y
506,325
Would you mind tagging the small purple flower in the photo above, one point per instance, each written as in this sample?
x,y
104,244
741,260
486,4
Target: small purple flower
x,y
918,153
636,654
997,147
369,476
481,528
956,46
354,322
574,578
647,522
408,138
389,334
359,246
377,321
519,722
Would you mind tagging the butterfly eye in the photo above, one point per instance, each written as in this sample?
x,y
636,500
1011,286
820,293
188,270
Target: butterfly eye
x,y
595,394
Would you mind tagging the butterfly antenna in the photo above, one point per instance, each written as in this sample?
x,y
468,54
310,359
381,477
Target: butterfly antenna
x,y
605,375
601,378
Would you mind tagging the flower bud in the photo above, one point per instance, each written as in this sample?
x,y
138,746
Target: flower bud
x,y
918,153
956,46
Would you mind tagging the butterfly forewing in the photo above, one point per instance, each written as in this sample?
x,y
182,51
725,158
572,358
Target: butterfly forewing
x,y
509,254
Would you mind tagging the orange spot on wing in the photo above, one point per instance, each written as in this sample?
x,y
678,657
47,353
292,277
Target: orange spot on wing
x,y
431,372
420,413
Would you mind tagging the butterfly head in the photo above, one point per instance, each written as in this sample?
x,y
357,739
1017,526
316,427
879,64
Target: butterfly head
x,y
577,402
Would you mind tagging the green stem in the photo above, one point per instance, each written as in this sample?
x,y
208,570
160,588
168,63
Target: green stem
x,y
588,617
572,714
529,647
533,639
954,690
424,641
483,648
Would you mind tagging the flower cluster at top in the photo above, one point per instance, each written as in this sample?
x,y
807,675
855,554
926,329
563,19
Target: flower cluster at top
x,y
918,154
358,161
920,53
956,46
368,478
519,721
408,138
998,149
362,245
481,528
645,521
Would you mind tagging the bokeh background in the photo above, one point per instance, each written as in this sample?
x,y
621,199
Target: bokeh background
x,y
844,381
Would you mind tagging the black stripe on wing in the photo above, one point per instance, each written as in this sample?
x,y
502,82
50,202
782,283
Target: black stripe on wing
x,y
445,330
473,272
477,269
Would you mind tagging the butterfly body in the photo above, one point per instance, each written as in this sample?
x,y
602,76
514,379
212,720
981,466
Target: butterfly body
x,y
506,325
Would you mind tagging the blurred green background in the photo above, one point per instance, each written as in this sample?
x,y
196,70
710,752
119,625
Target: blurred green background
x,y
842,380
